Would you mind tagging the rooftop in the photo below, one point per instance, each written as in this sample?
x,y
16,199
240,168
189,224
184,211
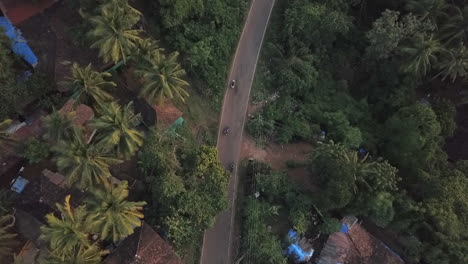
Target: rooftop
x,y
356,247
145,246
167,114
18,11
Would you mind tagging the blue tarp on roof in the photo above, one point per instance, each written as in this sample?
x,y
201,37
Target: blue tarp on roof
x,y
19,184
294,250
18,44
344,228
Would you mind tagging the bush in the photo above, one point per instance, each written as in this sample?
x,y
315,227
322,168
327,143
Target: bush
x,y
36,151
330,225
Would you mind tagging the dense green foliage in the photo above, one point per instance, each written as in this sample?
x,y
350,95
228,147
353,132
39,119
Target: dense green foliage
x,y
113,30
83,164
187,184
263,230
35,150
205,32
89,86
362,72
106,213
116,129
111,215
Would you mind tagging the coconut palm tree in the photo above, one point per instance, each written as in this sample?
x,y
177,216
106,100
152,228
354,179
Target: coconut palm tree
x,y
427,9
83,164
68,232
148,47
89,86
162,78
454,63
7,239
58,126
455,29
79,255
5,138
111,214
116,129
420,54
113,31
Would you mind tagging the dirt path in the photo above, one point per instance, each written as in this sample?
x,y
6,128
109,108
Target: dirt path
x,y
217,241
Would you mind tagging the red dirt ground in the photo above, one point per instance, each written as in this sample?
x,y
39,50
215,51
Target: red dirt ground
x,y
277,155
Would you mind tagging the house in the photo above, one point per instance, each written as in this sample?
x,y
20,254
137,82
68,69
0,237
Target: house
x,y
145,246
354,245
167,114
18,11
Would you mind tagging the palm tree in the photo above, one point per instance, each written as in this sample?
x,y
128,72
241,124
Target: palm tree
x,y
455,30
148,47
7,239
83,164
116,129
114,31
89,86
68,232
111,214
454,63
80,255
58,126
427,9
420,54
162,78
5,137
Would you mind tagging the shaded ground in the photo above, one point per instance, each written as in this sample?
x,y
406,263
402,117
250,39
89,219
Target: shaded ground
x,y
457,146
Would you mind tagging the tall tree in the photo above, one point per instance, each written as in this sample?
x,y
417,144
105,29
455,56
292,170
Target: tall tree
x,y
6,59
89,86
420,54
7,238
111,214
5,137
454,63
83,164
162,78
67,233
116,128
58,126
455,29
80,255
114,32
427,9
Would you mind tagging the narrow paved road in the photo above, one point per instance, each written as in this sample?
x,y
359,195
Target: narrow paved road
x,y
218,240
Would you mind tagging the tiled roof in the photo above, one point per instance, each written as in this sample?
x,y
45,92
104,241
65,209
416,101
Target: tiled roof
x,y
144,246
357,247
18,11
83,113
167,114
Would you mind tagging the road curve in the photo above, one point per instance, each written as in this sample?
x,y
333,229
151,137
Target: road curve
x,y
217,240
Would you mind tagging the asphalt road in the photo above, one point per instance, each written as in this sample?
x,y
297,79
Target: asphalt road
x,y
217,242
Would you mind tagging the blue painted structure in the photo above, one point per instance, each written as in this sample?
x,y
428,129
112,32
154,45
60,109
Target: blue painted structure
x,y
19,184
344,228
295,251
18,43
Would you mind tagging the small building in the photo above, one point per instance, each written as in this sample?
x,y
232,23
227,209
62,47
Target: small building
x,y
354,245
145,246
299,250
167,114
